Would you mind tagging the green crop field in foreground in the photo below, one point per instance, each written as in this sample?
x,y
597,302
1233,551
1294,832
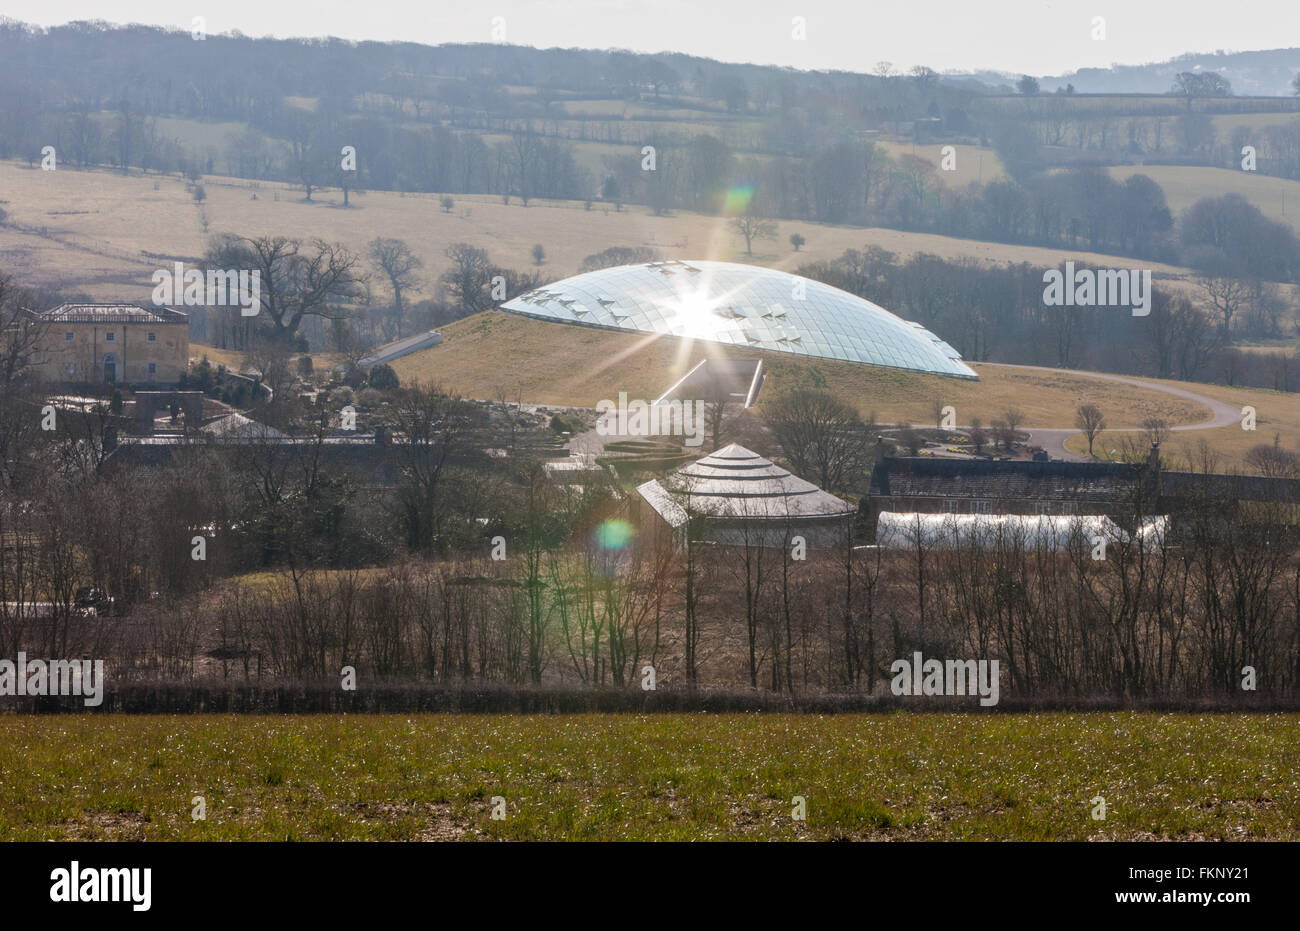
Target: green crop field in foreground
x,y
670,777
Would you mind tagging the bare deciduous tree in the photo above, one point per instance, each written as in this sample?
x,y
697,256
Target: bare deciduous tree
x,y
823,438
1091,421
1155,431
752,225
394,259
468,281
317,279
428,426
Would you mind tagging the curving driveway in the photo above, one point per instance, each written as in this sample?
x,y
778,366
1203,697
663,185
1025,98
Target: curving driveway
x,y
1052,439
590,444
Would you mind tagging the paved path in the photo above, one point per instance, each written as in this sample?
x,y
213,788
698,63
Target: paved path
x,y
1052,439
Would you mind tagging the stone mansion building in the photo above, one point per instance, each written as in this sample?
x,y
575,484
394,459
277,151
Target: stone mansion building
x,y
126,343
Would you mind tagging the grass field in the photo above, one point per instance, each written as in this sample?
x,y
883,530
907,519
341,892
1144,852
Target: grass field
x,y
1275,412
973,163
1226,123
230,358
578,366
667,777
1277,198
235,360
204,135
104,233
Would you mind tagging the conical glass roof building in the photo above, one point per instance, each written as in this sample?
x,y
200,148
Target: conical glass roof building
x,y
746,499
742,305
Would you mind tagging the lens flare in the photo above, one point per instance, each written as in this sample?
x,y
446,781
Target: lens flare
x,y
614,534
738,198
693,316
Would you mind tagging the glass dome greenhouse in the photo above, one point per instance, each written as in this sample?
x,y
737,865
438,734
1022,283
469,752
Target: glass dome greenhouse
x,y
742,305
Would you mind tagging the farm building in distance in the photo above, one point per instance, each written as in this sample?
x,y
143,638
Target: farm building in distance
x,y
743,500
898,530
1127,493
980,486
84,344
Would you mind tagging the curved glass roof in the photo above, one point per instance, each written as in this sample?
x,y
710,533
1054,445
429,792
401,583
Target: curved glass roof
x,y
742,305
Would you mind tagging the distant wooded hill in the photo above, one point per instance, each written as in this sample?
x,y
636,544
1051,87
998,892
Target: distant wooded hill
x,y
1265,73
918,152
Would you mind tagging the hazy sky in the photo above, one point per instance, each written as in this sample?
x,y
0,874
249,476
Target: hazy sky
x,y
1033,36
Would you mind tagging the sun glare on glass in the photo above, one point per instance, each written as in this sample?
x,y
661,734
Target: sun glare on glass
x,y
693,316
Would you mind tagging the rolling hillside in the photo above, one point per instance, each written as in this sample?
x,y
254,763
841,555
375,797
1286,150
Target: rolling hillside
x,y
493,354
578,366
1276,198
104,233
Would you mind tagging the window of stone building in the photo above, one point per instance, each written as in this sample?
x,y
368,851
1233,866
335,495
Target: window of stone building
x,y
982,507
153,368
950,505
110,336
68,336
153,337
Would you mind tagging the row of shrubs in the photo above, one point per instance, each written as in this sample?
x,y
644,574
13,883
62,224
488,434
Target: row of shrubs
x,y
218,697
220,383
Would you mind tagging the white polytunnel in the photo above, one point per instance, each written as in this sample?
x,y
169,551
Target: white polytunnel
x,y
909,530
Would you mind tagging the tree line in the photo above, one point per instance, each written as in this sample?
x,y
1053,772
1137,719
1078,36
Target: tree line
x,y
997,314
